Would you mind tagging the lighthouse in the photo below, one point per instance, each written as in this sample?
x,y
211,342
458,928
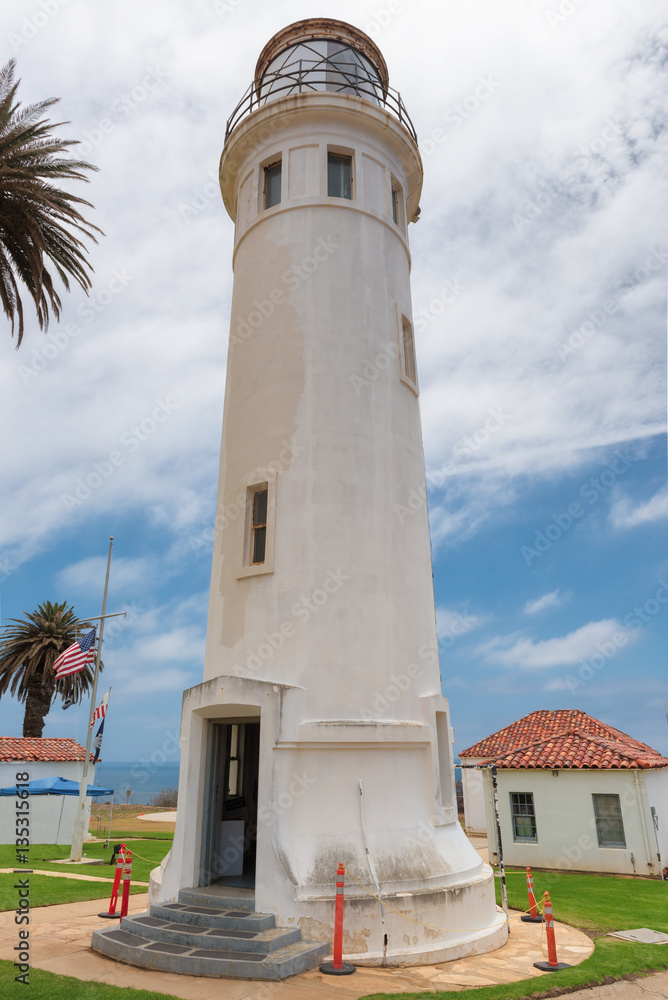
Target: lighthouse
x,y
320,733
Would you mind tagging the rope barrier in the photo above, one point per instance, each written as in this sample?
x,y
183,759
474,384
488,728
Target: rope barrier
x,y
441,930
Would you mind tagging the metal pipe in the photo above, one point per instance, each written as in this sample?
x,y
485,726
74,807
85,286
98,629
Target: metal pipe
x,y
502,870
372,870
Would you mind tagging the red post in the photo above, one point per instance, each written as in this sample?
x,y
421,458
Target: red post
x,y
117,881
338,967
552,964
127,874
532,917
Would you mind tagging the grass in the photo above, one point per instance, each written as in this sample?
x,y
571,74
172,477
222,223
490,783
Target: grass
x,y
596,904
46,891
41,856
47,986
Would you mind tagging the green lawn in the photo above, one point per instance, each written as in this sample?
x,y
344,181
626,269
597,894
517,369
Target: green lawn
x,y
46,891
594,902
41,856
46,986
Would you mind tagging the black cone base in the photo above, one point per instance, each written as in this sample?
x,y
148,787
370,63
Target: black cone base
x,y
110,916
546,967
345,970
528,919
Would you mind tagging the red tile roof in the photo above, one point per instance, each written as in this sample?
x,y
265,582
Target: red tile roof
x,y
566,738
31,748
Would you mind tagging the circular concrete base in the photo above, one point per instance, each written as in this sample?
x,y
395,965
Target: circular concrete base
x,y
330,969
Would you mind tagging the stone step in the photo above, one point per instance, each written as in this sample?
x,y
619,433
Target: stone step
x,y
209,916
220,897
190,935
117,943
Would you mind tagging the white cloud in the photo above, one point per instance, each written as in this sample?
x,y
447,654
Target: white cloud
x,y
624,515
516,650
552,600
88,575
452,624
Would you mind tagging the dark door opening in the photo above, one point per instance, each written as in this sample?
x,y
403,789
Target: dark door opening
x,y
234,837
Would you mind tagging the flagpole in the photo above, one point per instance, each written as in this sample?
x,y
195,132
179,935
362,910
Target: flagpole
x,y
79,830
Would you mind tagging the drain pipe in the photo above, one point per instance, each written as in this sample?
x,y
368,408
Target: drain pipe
x,y
373,872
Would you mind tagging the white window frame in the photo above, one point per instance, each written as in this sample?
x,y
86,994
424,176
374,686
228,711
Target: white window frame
x,y
410,379
249,568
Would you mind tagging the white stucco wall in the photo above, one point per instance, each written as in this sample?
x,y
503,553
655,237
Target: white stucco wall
x,y
51,816
656,782
565,822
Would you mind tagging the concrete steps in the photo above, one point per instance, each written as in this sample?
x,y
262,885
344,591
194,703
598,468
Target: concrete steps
x,y
210,932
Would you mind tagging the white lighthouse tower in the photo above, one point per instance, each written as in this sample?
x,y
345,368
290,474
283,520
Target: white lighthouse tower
x,y
320,734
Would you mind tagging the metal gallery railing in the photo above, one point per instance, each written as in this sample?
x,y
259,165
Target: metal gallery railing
x,y
303,77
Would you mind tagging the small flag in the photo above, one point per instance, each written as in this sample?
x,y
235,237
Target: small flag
x,y
68,702
100,711
97,742
77,656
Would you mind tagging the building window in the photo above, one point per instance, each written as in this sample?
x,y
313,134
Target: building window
x,y
259,525
609,825
395,206
234,772
409,370
339,176
272,185
524,817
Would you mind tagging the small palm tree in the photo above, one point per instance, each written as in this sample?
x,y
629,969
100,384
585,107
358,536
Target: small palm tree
x,y
37,219
28,650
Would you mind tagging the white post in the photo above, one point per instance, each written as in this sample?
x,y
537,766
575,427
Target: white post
x,y
79,830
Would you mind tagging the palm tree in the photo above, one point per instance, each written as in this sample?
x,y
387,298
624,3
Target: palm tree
x,y
37,219
28,650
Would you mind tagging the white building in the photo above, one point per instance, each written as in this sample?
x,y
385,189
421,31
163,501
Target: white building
x,y
51,816
573,794
319,733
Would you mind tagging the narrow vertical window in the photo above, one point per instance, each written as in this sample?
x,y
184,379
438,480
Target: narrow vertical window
x,y
272,185
609,824
259,526
339,176
524,817
408,353
395,206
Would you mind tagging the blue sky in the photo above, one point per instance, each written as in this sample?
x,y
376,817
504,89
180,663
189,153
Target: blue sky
x,y
539,292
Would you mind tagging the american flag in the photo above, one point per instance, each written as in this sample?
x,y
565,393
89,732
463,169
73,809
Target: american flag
x,y
77,656
100,711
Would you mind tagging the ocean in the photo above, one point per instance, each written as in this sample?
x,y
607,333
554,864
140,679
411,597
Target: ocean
x,y
137,783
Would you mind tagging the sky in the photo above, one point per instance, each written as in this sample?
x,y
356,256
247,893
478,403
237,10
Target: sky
x,y
539,275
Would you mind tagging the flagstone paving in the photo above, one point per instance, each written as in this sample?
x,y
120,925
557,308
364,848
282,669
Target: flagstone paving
x,y
61,935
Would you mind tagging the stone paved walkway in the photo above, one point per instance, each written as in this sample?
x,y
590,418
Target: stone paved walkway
x,y
60,942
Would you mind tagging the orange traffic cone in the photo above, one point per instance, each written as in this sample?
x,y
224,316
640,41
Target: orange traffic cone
x,y
552,965
533,916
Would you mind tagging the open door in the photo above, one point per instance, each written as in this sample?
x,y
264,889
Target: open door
x,y
231,833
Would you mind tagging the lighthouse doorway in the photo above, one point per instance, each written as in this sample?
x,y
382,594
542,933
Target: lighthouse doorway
x,y
230,835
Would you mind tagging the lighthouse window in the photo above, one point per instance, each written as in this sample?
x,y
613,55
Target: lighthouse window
x,y
259,526
408,352
395,206
272,185
339,175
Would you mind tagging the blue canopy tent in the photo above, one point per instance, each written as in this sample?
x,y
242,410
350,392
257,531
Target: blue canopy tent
x,y
56,786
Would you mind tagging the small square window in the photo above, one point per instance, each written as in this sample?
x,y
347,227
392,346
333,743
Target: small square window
x,y
272,185
609,824
339,176
523,817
